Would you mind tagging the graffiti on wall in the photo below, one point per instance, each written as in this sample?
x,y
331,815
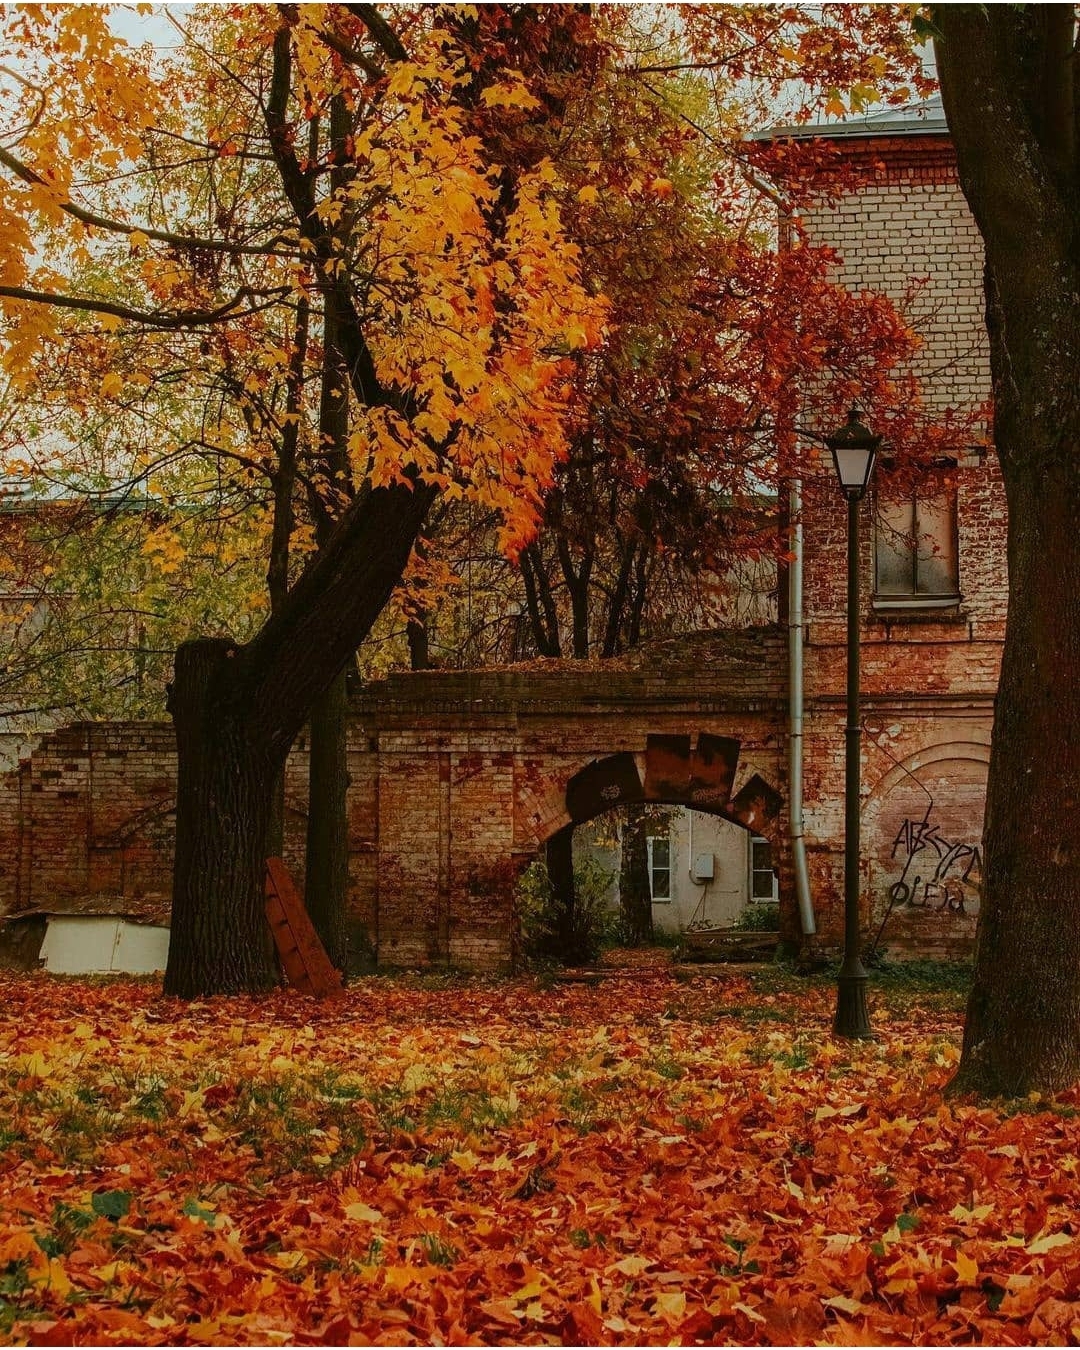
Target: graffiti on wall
x,y
938,873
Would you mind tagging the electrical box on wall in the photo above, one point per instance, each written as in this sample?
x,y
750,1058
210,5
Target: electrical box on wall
x,y
703,867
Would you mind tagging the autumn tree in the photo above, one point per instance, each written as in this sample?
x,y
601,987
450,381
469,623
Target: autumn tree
x,y
674,415
1009,87
456,305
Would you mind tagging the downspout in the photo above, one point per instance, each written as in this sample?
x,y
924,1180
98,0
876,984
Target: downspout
x,y
795,716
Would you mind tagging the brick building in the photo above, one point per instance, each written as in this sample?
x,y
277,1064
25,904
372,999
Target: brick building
x,y
459,778
934,581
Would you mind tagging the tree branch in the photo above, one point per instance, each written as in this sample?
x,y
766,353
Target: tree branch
x,y
91,218
330,609
181,318
299,189
380,30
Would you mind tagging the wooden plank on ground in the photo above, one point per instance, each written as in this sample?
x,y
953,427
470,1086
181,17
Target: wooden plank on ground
x,y
303,957
729,944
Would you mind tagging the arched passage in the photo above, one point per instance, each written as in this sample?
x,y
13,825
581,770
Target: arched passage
x,y
696,771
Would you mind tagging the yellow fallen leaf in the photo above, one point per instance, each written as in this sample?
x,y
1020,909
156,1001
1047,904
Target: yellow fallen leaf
x,y
37,1066
967,1271
205,1333
842,1303
632,1266
963,1215
1048,1243
752,1313
193,1101
900,1286
289,1260
671,1306
361,1213
53,1277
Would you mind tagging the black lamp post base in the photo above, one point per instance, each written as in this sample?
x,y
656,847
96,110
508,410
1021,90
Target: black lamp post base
x,y
852,1021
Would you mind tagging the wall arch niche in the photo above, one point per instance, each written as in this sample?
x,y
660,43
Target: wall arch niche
x,y
922,830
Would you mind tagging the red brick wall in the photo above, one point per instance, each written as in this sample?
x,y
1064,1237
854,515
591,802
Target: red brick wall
x,y
457,780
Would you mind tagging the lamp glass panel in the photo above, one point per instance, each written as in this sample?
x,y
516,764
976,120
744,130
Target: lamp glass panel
x,y
852,467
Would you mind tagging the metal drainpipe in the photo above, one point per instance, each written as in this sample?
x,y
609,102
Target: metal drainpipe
x,y
795,715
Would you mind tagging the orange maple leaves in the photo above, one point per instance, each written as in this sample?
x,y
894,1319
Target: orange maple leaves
x,y
482,1164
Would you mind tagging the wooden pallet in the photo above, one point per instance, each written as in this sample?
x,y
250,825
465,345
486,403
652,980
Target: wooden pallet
x,y
303,957
728,944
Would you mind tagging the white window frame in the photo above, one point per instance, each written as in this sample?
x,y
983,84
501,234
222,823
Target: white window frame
x,y
753,899
650,840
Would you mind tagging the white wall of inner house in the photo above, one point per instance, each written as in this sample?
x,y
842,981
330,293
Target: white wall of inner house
x,y
715,903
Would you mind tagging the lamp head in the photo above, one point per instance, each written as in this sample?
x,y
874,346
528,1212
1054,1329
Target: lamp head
x,y
853,449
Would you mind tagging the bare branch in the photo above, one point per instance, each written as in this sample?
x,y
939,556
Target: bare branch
x,y
28,175
181,318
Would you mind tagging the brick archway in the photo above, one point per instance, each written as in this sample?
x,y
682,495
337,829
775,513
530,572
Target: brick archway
x,y
694,771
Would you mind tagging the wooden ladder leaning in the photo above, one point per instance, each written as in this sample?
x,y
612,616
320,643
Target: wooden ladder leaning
x,y
303,957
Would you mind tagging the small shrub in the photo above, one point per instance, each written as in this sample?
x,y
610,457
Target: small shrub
x,y
759,919
551,931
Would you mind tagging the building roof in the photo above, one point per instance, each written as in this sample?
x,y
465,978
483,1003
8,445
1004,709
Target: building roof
x,y
925,117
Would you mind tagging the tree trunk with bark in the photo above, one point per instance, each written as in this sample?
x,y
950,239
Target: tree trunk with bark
x,y
224,803
326,869
635,888
238,709
1008,83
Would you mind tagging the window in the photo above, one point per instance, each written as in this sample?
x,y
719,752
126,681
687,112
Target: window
x,y
660,866
763,883
915,554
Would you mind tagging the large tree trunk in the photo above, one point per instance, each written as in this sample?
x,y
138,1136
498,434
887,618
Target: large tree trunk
x,y
237,710
326,871
1007,83
224,800
1023,1022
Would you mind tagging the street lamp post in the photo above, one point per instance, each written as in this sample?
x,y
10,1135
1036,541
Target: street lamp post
x,y
853,449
